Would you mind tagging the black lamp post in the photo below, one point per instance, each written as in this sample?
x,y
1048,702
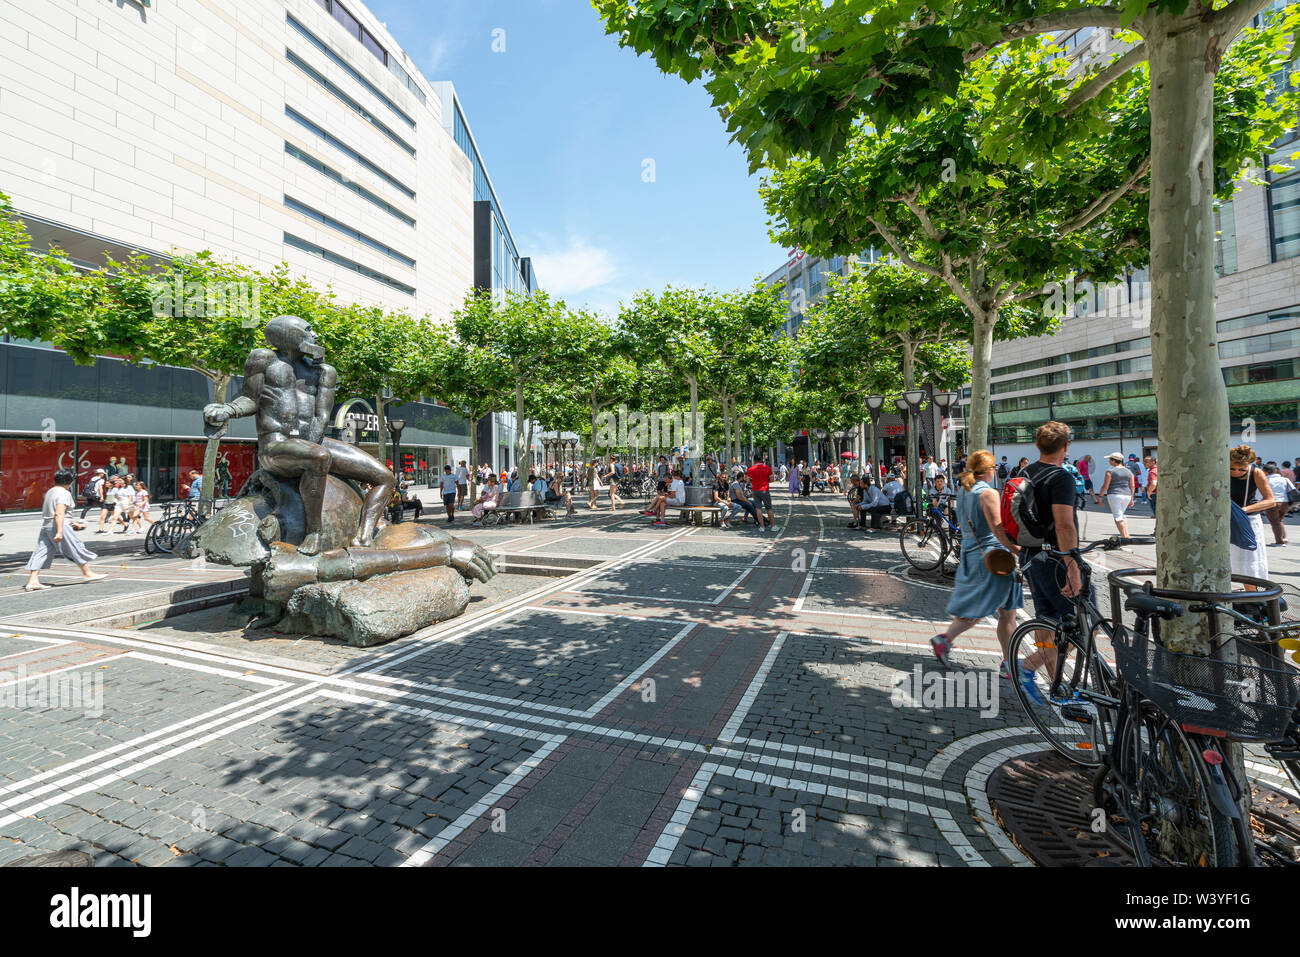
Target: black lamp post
x,y
874,404
943,401
395,427
909,403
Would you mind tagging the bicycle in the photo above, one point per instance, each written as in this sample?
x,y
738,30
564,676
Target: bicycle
x,y
927,542
1081,688
1167,776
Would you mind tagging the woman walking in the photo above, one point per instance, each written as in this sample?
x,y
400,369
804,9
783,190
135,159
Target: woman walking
x,y
1282,488
978,591
140,507
611,480
794,479
1250,489
1117,488
59,534
594,485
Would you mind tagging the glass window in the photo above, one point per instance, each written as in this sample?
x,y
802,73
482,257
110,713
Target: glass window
x,y
336,259
371,44
348,231
352,104
1272,342
1284,202
348,21
344,181
346,150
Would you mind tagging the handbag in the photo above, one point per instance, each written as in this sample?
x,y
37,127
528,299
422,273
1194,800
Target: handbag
x,y
1242,533
997,560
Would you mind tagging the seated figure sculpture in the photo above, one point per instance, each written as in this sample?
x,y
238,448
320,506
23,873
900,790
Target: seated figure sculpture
x,y
291,391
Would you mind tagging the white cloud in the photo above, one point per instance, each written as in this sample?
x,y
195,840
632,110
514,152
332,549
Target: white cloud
x,y
574,267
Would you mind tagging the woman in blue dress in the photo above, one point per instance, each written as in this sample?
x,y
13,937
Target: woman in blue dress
x,y
978,592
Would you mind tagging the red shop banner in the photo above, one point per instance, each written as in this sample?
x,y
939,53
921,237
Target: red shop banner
x,y
235,465
27,468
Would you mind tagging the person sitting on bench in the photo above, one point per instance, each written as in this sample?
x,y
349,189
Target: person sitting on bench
x,y
555,494
722,499
675,497
855,502
490,497
876,504
740,503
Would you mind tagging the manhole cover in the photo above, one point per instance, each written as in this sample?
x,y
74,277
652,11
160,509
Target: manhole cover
x,y
1045,803
55,859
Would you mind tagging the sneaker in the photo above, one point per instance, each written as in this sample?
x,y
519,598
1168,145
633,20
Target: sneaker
x,y
941,646
775,529
1031,687
1004,671
647,513
659,524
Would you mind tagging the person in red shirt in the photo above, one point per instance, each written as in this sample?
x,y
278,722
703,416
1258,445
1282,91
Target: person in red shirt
x,y
760,478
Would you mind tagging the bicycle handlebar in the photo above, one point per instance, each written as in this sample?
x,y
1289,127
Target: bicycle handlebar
x,y
1107,544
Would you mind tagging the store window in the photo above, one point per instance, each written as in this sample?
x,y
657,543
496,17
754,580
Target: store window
x,y
235,464
27,468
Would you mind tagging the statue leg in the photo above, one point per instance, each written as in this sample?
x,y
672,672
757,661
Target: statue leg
x,y
310,464
350,462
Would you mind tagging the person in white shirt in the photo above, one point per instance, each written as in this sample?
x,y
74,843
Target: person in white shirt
x,y
462,484
1282,488
676,497
877,504
449,493
58,535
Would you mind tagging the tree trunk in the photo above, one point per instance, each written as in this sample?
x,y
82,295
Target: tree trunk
x,y
473,461
977,413
519,420
726,426
220,393
1193,517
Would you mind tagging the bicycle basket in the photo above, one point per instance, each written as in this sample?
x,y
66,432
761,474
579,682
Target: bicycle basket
x,y
1251,699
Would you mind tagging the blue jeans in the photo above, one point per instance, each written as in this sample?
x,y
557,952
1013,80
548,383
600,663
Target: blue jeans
x,y
740,508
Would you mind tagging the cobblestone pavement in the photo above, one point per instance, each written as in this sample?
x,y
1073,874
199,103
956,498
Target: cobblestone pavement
x,y
699,696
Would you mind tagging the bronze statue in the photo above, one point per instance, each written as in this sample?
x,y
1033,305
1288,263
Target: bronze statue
x,y
291,391
304,528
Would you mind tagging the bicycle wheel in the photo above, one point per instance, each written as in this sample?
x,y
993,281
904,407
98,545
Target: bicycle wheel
x,y
1074,725
1170,815
174,530
924,546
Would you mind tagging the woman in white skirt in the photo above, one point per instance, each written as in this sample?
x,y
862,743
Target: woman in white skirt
x,y
1117,489
1250,490
58,535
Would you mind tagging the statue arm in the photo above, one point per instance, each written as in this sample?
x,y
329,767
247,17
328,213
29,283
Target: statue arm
x,y
329,379
245,404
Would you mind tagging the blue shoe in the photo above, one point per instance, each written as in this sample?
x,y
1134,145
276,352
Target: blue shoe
x,y
1004,672
1031,688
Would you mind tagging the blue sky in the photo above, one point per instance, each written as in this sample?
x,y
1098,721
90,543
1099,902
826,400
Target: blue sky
x,y
565,120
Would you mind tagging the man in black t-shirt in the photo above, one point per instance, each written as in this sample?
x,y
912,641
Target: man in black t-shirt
x,y
1053,581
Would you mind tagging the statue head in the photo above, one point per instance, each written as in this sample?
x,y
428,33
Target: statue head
x,y
295,336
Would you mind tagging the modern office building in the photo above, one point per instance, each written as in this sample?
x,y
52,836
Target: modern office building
x,y
268,131
1094,373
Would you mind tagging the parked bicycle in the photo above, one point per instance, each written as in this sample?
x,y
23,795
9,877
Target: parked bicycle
x,y
1168,777
931,542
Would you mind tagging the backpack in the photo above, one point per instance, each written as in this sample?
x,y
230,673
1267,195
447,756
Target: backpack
x,y
903,503
1002,470
88,490
1019,509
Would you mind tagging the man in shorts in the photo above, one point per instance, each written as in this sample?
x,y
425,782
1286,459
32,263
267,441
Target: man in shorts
x,y
449,493
1053,582
760,492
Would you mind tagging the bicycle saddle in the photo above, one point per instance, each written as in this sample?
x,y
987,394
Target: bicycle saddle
x,y
1150,605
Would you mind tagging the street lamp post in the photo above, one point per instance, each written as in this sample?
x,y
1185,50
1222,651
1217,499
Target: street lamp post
x,y
874,404
909,403
943,401
395,427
